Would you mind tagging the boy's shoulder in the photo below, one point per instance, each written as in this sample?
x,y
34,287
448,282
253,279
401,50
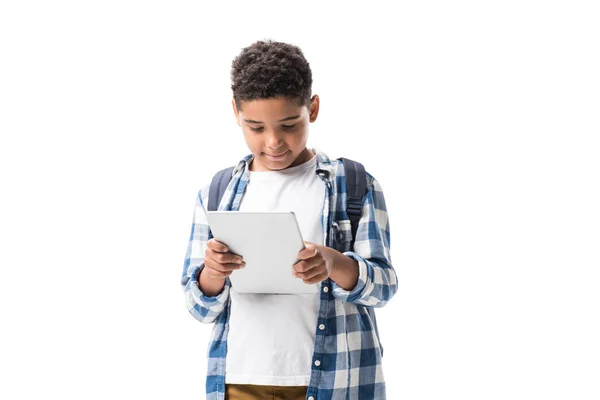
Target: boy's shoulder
x,y
226,172
336,165
339,170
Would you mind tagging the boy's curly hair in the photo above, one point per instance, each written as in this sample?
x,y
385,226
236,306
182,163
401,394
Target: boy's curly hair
x,y
267,69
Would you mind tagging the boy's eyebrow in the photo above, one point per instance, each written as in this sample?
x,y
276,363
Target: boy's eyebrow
x,y
251,121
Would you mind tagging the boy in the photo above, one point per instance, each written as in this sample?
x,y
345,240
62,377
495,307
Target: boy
x,y
305,346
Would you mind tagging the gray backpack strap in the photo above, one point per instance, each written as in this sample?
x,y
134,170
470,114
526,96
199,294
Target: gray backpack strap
x,y
218,185
356,187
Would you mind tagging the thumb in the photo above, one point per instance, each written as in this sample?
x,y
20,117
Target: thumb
x,y
311,250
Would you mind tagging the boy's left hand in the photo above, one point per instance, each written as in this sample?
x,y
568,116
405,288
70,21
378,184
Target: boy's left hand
x,y
315,265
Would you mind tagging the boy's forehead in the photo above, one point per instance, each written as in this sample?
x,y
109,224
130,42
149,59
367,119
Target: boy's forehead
x,y
272,109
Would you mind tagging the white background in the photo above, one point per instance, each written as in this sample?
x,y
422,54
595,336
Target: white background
x,y
479,119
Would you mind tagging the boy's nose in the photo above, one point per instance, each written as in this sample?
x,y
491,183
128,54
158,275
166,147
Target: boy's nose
x,y
274,142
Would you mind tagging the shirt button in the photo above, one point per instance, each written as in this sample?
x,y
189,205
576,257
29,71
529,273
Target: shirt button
x,y
311,398
317,363
321,327
326,289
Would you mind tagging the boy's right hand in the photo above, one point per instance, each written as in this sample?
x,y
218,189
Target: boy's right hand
x,y
219,263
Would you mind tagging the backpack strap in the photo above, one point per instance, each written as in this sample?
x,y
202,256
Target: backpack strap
x,y
356,187
218,185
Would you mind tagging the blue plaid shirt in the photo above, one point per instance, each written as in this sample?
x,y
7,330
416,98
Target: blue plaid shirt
x,y
347,353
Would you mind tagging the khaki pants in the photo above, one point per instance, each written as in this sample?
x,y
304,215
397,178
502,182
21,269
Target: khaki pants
x,y
264,392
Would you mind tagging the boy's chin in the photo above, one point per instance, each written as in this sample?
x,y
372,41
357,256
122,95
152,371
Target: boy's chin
x,y
265,164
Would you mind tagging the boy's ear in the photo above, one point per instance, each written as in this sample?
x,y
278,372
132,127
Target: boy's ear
x,y
235,112
313,110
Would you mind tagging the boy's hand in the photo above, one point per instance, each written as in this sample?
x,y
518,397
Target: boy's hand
x,y
219,263
315,265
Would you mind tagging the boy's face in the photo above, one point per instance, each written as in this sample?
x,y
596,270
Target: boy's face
x,y
276,130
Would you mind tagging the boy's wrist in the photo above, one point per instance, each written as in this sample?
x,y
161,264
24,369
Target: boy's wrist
x,y
210,286
344,271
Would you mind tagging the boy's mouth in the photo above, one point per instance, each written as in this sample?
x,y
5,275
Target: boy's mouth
x,y
277,157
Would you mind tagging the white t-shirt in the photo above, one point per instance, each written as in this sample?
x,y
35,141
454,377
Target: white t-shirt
x,y
271,336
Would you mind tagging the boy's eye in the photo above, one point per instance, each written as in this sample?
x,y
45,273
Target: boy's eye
x,y
260,129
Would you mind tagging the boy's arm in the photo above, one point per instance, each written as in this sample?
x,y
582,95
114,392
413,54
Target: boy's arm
x,y
204,308
377,281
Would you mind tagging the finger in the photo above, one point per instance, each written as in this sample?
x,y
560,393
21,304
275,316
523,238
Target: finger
x,y
308,252
212,264
309,273
303,266
317,278
217,246
223,266
224,258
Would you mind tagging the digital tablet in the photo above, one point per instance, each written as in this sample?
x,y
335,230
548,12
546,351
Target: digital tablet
x,y
269,242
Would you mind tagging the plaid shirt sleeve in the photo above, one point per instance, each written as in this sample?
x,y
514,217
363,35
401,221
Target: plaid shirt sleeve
x,y
377,280
204,308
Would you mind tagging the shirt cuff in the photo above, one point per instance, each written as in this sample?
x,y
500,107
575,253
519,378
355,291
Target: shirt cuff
x,y
199,296
360,284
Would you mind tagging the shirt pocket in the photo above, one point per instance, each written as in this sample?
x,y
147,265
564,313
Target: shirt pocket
x,y
342,230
